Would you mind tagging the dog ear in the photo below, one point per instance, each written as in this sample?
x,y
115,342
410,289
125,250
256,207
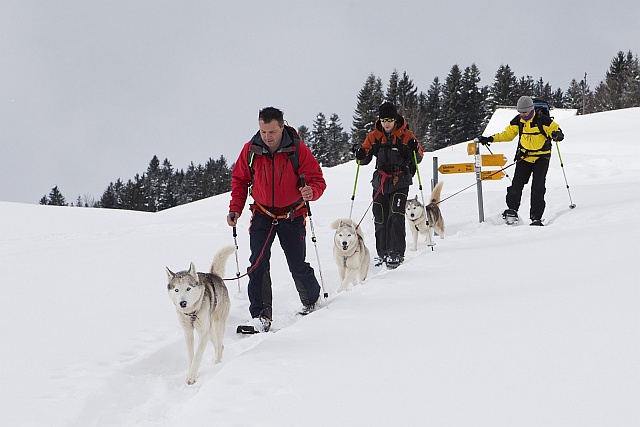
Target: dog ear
x,y
192,271
170,274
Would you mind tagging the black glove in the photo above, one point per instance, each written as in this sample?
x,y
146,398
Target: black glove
x,y
485,140
557,135
360,154
412,144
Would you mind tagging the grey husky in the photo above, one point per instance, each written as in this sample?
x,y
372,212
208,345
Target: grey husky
x,y
202,304
350,253
424,220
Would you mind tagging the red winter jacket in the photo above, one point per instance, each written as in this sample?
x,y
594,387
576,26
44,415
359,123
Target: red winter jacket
x,y
275,183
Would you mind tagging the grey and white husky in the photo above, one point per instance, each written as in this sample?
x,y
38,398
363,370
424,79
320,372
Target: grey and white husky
x,y
350,253
424,220
202,304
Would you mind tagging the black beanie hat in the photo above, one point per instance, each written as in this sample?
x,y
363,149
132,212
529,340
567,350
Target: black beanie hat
x,y
388,111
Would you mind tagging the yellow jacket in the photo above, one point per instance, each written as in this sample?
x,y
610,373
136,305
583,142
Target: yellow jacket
x,y
533,144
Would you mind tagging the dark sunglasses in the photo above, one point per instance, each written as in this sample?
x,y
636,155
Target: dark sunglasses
x,y
387,120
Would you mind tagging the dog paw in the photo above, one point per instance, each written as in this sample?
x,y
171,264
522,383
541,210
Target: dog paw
x,y
191,381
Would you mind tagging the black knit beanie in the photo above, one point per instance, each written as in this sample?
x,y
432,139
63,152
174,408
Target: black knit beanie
x,y
388,111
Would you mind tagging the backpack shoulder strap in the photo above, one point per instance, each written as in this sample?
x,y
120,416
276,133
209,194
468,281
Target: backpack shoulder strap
x,y
293,156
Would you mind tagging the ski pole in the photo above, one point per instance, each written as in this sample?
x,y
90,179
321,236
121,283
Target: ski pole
x,y
571,205
353,195
232,215
313,239
506,174
415,160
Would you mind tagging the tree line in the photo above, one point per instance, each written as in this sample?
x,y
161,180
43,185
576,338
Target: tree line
x,y
449,112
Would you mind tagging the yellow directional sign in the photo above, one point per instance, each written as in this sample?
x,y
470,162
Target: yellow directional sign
x,y
456,168
491,175
493,160
471,148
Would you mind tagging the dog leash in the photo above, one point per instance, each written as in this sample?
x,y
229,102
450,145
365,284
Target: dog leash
x,y
476,183
257,262
369,207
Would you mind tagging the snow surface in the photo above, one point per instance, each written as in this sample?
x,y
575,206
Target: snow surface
x,y
498,326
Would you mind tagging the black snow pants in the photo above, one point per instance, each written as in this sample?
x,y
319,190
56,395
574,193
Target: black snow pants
x,y
521,176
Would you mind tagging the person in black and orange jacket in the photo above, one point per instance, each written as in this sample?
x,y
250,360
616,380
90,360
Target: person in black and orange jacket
x,y
397,150
271,164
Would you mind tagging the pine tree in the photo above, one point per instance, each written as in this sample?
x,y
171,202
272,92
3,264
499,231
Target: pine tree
x,y
319,145
580,96
621,87
166,196
452,106
153,186
525,87
55,198
304,133
369,100
133,194
338,142
219,176
473,115
433,108
393,91
407,103
557,99
542,90
504,89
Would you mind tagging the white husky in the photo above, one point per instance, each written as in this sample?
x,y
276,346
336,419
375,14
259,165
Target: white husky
x,y
424,220
202,304
350,253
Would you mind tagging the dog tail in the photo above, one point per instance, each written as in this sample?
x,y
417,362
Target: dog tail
x,y
435,194
220,260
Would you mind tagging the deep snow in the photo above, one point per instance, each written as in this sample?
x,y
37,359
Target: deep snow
x,y
498,326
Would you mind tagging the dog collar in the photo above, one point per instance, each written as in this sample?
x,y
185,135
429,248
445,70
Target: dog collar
x,y
193,316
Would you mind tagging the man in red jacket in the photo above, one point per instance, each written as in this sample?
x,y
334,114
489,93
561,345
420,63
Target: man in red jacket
x,y
269,168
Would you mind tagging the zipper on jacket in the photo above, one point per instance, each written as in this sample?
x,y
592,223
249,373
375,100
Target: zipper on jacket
x,y
273,180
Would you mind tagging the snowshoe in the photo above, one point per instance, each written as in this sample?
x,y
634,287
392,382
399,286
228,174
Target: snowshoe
x,y
510,216
537,222
306,309
255,326
394,261
379,260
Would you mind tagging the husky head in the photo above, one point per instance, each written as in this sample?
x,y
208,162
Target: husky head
x,y
184,288
346,236
414,209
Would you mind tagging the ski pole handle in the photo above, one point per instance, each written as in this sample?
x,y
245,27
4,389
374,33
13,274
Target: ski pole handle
x,y
304,184
415,161
232,215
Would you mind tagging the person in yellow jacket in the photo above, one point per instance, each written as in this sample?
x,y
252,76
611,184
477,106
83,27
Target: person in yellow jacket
x,y
535,130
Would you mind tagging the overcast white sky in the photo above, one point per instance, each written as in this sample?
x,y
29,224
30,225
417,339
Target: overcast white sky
x,y
91,90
